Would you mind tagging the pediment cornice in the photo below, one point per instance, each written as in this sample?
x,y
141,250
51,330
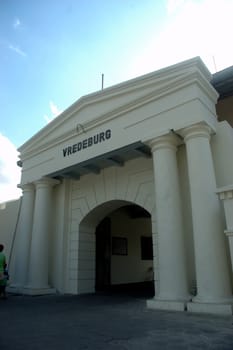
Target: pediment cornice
x,y
157,85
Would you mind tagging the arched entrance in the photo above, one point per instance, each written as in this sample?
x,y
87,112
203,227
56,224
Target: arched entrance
x,y
116,250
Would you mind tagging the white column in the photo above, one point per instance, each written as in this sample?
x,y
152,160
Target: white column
x,y
38,268
173,287
226,195
229,235
23,238
212,274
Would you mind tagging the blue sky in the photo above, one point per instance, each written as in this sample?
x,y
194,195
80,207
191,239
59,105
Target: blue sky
x,y
53,52
56,51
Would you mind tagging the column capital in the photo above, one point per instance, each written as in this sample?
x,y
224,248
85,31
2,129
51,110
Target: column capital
x,y
26,187
226,195
229,233
196,130
225,192
46,182
168,140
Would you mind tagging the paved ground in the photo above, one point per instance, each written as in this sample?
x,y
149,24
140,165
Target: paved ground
x,y
105,322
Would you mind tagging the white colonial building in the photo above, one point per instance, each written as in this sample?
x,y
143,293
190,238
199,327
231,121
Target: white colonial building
x,y
132,185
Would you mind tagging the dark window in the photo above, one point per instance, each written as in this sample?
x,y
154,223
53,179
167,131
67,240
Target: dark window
x,y
146,248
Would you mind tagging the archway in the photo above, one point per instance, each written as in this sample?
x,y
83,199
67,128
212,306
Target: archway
x,y
116,250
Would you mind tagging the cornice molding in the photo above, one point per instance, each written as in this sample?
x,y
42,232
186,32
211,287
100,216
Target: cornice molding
x,y
162,82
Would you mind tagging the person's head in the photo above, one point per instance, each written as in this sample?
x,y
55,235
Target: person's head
x,y
1,247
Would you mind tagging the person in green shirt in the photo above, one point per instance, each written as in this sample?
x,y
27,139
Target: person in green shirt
x,y
3,278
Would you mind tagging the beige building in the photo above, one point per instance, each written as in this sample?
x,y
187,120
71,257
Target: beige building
x,y
132,186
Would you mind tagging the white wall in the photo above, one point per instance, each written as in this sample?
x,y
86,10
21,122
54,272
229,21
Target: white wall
x,y
222,150
137,110
94,197
8,224
133,183
130,268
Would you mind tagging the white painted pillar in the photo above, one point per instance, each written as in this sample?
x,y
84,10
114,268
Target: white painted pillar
x,y
23,238
226,195
38,267
86,253
173,287
212,274
229,235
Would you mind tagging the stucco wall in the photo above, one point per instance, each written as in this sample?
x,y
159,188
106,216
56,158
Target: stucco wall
x,y
134,111
94,197
222,146
74,200
133,183
8,222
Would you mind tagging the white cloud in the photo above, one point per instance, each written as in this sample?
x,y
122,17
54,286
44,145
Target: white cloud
x,y
17,50
54,111
10,173
47,119
16,23
173,5
193,28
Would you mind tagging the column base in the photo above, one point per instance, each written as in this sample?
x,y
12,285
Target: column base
x,y
210,308
15,289
169,305
38,291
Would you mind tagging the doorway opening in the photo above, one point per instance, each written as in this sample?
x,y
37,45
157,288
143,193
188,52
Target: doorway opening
x,y
124,253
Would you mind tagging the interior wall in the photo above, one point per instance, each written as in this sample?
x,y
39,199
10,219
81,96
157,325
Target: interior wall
x,y
130,268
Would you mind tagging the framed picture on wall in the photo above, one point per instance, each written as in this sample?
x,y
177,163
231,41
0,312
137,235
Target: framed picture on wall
x,y
119,246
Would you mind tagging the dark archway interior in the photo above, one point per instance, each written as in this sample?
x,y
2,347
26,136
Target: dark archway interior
x,y
124,254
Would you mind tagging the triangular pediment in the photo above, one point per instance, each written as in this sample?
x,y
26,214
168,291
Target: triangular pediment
x,y
100,107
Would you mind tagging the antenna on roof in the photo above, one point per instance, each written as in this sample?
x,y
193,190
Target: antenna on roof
x,y
102,84
215,67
